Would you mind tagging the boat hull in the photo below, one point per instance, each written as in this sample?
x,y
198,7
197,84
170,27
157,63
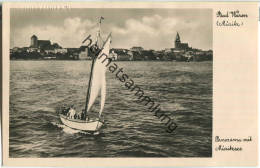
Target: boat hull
x,y
82,125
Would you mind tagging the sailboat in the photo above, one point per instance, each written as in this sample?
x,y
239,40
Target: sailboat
x,y
96,86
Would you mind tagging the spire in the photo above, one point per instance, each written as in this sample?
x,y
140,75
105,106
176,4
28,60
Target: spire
x,y
33,36
178,39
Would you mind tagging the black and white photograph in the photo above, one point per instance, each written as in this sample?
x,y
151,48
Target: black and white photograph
x,y
111,82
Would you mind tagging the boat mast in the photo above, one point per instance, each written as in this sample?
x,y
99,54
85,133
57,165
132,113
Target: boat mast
x,y
99,31
91,71
89,85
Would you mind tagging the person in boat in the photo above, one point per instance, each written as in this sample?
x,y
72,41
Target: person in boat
x,y
65,110
82,115
78,115
87,118
72,112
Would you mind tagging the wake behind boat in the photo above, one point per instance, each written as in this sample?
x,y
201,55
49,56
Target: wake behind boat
x,y
97,85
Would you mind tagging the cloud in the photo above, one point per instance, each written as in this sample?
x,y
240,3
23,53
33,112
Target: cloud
x,y
150,32
156,32
70,34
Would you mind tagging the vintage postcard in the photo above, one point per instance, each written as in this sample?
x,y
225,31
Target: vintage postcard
x,y
130,84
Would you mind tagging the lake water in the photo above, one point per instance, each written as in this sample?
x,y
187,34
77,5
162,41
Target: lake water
x,y
183,89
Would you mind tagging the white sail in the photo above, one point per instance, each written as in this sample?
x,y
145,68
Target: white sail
x,y
98,83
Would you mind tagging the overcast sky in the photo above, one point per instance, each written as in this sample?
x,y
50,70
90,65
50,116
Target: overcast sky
x,y
149,28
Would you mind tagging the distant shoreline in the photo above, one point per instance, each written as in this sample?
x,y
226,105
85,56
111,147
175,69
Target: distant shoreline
x,y
113,61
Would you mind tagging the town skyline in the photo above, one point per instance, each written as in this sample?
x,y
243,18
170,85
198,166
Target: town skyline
x,y
151,28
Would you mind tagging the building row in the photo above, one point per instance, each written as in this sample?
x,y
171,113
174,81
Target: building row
x,y
44,49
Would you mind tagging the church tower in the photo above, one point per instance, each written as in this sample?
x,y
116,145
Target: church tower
x,y
34,41
177,41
